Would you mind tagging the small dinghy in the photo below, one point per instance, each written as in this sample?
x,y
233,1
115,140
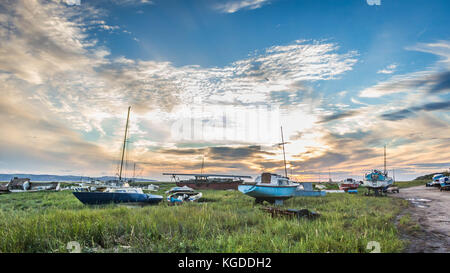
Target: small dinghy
x,y
182,194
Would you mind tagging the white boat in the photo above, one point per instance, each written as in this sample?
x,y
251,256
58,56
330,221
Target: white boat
x,y
435,180
377,180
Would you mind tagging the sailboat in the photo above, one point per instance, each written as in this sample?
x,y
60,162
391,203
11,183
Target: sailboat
x,y
118,194
378,181
271,187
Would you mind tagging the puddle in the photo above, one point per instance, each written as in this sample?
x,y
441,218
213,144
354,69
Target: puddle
x,y
419,202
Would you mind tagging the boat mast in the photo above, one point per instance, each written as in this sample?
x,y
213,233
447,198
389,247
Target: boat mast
x,y
284,154
203,163
385,173
124,144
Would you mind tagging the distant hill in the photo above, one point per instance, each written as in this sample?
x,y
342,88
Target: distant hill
x,y
61,178
430,176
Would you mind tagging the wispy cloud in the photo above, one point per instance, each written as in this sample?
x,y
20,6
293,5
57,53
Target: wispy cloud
x,y
433,80
404,113
388,70
232,6
132,2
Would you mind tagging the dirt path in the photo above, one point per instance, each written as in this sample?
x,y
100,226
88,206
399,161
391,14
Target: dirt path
x,y
431,209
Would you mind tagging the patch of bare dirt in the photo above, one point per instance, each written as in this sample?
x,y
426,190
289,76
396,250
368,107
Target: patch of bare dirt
x,y
430,209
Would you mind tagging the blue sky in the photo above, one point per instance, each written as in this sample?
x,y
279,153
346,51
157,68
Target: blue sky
x,y
344,78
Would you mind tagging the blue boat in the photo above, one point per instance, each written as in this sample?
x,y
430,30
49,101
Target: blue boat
x,y
270,188
275,188
444,183
119,195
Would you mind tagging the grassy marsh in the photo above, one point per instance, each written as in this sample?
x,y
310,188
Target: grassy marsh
x,y
225,221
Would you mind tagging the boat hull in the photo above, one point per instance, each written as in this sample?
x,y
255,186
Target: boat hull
x,y
99,198
346,187
268,193
378,184
445,186
210,185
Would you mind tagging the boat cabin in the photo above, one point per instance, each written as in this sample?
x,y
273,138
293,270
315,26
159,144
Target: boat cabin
x,y
375,175
350,181
19,184
272,179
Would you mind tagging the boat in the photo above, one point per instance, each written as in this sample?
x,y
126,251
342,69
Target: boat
x,y
201,181
444,183
435,180
4,188
348,184
182,194
270,187
209,181
306,189
275,188
376,181
116,191
117,195
17,185
152,187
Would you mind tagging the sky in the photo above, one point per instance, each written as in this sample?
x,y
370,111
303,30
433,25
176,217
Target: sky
x,y
214,80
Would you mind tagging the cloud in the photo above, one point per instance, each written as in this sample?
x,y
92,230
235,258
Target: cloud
x,y
388,70
373,2
405,113
132,2
232,6
64,70
421,82
339,115
433,80
45,41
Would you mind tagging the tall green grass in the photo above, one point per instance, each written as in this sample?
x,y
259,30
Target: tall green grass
x,y
226,221
414,183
